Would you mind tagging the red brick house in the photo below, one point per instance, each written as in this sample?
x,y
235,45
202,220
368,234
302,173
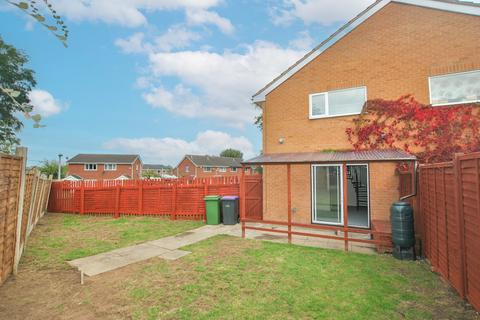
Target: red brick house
x,y
105,166
427,48
204,166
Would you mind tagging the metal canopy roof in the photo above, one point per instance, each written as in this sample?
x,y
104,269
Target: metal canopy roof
x,y
332,156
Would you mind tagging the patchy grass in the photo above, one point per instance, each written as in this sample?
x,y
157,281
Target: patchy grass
x,y
64,237
223,278
230,279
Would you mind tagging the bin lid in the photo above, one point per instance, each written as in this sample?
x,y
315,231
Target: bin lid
x,y
230,198
212,198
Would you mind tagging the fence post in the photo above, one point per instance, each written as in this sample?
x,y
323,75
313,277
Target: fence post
x,y
289,203
31,211
461,222
173,215
21,152
82,197
243,200
140,197
205,193
117,201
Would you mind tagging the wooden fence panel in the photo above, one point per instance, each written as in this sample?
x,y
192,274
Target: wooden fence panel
x,y
470,191
10,171
450,211
177,199
21,205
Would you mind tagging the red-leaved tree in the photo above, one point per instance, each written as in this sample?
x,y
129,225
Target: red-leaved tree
x,y
433,134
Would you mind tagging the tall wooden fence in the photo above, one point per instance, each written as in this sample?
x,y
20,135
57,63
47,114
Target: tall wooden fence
x,y
450,217
177,199
23,201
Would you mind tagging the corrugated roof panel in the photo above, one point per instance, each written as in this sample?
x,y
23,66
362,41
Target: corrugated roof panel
x,y
333,156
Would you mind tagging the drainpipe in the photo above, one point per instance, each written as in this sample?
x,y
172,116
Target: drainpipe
x,y
414,183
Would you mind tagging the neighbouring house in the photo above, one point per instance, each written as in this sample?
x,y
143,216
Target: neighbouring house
x,y
203,166
104,166
158,169
427,48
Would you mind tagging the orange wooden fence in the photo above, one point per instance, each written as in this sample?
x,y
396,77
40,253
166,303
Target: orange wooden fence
x,y
450,215
178,198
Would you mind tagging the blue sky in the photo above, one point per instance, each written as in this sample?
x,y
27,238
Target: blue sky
x,y
161,77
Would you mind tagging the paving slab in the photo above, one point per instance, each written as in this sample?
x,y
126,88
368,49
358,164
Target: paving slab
x,y
165,248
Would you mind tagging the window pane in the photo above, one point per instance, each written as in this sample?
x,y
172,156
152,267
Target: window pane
x,y
455,88
318,104
346,101
327,188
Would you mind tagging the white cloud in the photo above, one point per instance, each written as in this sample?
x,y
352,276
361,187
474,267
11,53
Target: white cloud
x,y
323,12
218,85
175,37
180,101
128,13
201,17
169,150
133,44
303,42
44,103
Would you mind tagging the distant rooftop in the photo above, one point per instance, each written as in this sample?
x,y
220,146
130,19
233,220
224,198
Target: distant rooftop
x,y
214,161
104,158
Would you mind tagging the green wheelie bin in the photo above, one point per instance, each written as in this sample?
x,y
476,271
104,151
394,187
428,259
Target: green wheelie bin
x,y
212,207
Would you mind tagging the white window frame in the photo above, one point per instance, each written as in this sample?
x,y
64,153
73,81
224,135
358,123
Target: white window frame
x,y
113,166
233,169
187,168
222,169
327,115
446,75
85,166
207,169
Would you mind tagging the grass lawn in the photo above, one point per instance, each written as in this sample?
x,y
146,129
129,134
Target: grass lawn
x,y
66,237
223,278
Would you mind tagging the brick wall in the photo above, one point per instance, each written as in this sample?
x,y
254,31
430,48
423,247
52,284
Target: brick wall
x,y
392,53
100,173
198,172
383,191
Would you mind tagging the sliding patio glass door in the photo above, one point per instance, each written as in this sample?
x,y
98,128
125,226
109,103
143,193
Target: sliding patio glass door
x,y
327,194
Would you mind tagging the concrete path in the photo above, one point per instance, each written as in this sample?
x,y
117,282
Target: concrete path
x,y
166,248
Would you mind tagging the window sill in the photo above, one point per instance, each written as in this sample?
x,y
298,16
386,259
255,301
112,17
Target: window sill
x,y
334,116
453,103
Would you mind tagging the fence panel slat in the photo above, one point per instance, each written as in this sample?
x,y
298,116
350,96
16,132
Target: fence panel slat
x,y
450,211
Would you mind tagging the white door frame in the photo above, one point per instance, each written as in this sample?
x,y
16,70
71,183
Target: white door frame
x,y
368,195
314,193
343,197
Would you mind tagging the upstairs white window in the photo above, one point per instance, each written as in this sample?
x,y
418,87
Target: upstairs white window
x,y
90,167
110,166
455,88
187,169
337,103
233,169
223,169
207,169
